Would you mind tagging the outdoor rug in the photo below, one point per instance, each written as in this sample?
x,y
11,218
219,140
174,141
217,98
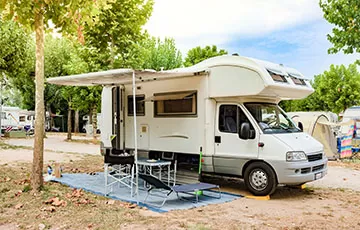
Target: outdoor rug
x,y
96,184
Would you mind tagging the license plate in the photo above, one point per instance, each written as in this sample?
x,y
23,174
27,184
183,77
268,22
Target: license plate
x,y
318,176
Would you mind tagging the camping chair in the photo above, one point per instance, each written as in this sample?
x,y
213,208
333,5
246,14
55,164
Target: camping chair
x,y
166,190
166,171
121,172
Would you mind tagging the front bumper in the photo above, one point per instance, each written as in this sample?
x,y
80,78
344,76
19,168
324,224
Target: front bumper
x,y
294,173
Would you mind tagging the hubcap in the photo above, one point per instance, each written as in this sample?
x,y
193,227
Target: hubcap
x,y
258,179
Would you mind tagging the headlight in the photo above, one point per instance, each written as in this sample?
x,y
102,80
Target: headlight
x,y
296,156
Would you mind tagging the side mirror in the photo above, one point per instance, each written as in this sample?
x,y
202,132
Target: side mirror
x,y
301,127
244,131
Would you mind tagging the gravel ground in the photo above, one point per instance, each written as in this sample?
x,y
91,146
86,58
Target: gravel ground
x,y
56,142
339,177
332,203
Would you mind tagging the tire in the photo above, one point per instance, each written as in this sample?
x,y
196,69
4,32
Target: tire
x,y
260,179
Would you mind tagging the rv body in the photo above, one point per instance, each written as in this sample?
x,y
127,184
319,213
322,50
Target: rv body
x,y
225,107
10,118
87,123
204,112
27,120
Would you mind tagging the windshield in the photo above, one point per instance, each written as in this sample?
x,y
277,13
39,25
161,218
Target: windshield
x,y
271,118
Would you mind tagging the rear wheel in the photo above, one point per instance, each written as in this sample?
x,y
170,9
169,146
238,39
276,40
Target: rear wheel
x,y
260,179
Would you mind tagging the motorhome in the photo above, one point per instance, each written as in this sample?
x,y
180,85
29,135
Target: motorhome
x,y
27,120
10,118
87,124
226,107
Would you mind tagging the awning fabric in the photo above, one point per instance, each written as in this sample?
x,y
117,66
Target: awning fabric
x,y
118,77
172,96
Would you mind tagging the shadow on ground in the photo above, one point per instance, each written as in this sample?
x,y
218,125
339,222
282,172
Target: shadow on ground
x,y
237,186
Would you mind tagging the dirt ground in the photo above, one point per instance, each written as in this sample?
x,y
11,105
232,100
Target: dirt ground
x,y
330,203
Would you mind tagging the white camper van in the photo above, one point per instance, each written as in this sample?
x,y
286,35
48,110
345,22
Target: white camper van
x,y
10,118
87,124
227,106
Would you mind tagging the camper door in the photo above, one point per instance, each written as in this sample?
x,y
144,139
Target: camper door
x,y
112,117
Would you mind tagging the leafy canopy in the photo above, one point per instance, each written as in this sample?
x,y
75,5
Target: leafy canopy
x,y
335,90
111,41
157,54
198,54
344,14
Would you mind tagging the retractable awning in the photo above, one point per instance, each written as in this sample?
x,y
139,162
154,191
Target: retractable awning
x,y
119,77
172,96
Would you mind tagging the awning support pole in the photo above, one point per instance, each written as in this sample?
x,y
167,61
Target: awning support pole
x,y
135,140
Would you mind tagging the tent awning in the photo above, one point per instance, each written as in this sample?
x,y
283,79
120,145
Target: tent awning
x,y
173,96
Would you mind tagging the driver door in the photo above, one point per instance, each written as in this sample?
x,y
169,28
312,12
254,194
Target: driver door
x,y
232,152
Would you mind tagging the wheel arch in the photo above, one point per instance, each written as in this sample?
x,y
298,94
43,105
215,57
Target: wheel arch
x,y
261,161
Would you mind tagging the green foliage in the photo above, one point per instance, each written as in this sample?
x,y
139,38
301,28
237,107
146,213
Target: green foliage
x,y
339,87
17,61
344,14
67,16
335,91
199,54
14,43
111,41
156,54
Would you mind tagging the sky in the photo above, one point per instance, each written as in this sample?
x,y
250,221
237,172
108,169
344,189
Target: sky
x,y
290,32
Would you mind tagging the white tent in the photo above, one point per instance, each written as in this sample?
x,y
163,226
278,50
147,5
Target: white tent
x,y
322,126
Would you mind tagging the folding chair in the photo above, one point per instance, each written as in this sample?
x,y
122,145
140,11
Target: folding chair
x,y
166,190
121,171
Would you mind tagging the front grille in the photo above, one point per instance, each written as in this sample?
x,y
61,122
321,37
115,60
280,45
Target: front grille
x,y
317,168
305,170
314,157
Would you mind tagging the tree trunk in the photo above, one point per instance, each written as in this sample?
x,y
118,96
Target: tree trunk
x,y
94,121
38,155
76,128
69,124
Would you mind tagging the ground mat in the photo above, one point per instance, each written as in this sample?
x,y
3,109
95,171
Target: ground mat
x,y
96,184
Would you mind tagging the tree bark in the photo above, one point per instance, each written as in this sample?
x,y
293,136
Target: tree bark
x,y
69,124
76,128
38,154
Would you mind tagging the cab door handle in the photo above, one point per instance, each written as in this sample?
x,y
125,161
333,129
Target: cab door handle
x,y
217,139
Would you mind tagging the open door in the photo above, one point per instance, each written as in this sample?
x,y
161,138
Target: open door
x,y
118,127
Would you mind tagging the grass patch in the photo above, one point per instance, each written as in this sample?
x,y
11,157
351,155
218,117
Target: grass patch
x,y
7,146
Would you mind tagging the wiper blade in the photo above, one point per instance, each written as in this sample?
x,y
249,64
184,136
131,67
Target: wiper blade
x,y
279,128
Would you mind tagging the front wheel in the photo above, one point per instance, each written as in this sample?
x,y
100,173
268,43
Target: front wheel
x,y
260,179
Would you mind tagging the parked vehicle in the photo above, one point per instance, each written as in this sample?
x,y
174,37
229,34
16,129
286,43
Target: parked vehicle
x,y
226,106
27,120
88,125
10,118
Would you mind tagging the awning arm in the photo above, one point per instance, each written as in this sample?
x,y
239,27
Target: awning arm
x,y
135,138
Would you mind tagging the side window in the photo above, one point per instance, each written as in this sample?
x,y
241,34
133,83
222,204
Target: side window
x,y
140,105
22,118
175,104
230,119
